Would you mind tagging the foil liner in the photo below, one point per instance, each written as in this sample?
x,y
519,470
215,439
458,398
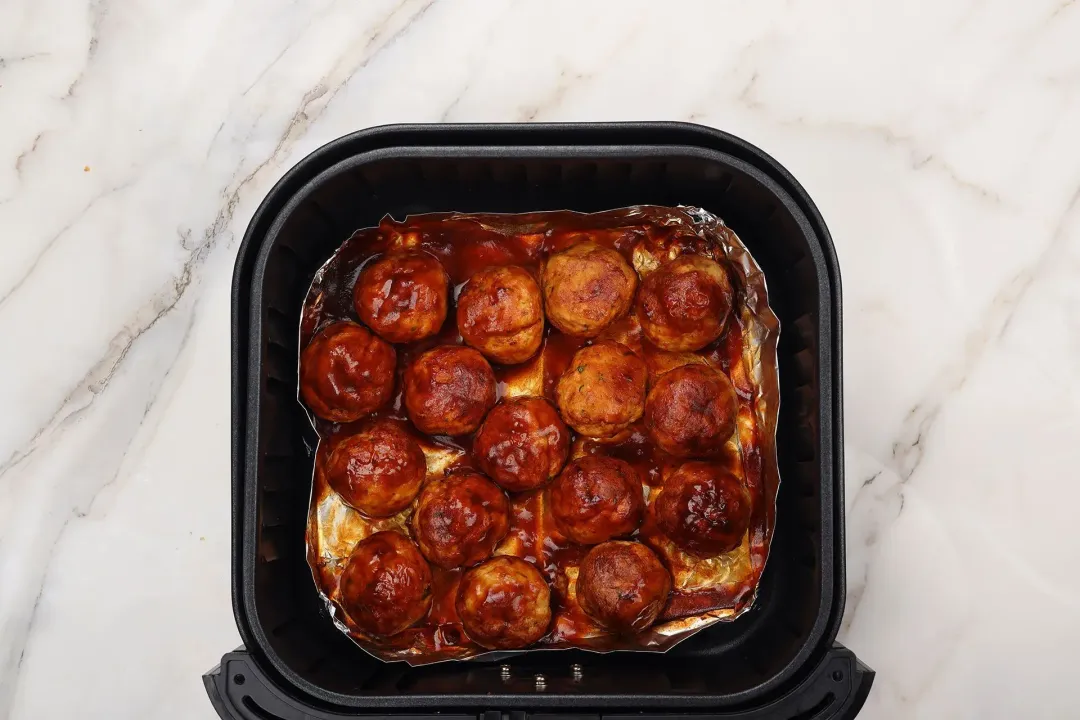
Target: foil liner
x,y
705,592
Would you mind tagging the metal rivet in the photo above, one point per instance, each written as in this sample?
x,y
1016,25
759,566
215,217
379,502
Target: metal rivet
x,y
504,672
575,671
541,682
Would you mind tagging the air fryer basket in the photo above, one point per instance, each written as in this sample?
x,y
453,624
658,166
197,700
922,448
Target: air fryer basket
x,y
778,660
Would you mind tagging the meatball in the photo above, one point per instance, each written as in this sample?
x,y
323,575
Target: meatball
x,y
603,390
448,390
346,372
597,498
499,312
402,296
691,411
623,586
703,509
504,603
522,444
378,470
586,288
460,519
683,305
386,585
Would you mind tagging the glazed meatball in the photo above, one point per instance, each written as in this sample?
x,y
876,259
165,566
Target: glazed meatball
x,y
386,585
691,411
346,372
623,586
499,312
460,519
597,498
683,305
703,509
586,288
402,296
378,470
504,603
448,390
522,444
603,390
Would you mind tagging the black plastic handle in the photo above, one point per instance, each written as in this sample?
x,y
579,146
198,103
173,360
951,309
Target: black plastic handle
x,y
239,690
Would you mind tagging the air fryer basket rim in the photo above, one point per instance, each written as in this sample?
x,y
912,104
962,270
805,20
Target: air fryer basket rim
x,y
516,141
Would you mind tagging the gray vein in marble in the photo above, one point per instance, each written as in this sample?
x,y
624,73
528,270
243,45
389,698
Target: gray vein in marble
x,y
910,446
97,378
98,12
28,151
555,97
10,61
21,639
51,242
150,404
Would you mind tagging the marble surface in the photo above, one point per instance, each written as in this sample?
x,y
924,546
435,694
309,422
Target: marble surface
x,y
938,137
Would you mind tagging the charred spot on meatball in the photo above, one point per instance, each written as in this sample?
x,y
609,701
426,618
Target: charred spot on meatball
x,y
596,498
522,443
402,296
504,603
386,585
448,390
684,305
586,288
459,519
378,471
603,390
623,586
500,313
703,509
691,411
346,373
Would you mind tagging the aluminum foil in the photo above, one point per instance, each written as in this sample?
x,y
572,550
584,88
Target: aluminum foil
x,y
704,591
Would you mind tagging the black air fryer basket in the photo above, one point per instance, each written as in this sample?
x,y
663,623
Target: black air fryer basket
x,y
778,661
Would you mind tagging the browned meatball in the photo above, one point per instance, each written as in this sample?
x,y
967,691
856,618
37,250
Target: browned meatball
x,y
499,312
586,288
597,498
504,603
386,585
402,296
448,390
683,305
623,586
346,372
691,411
522,444
603,390
460,519
704,509
378,470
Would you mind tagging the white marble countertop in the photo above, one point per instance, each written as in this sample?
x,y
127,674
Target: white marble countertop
x,y
939,139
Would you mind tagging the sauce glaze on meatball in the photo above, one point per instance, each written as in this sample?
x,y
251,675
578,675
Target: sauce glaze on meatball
x,y
402,296
377,471
691,411
623,586
459,519
504,603
386,585
346,373
500,313
448,390
603,390
586,288
704,509
522,443
596,498
683,305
